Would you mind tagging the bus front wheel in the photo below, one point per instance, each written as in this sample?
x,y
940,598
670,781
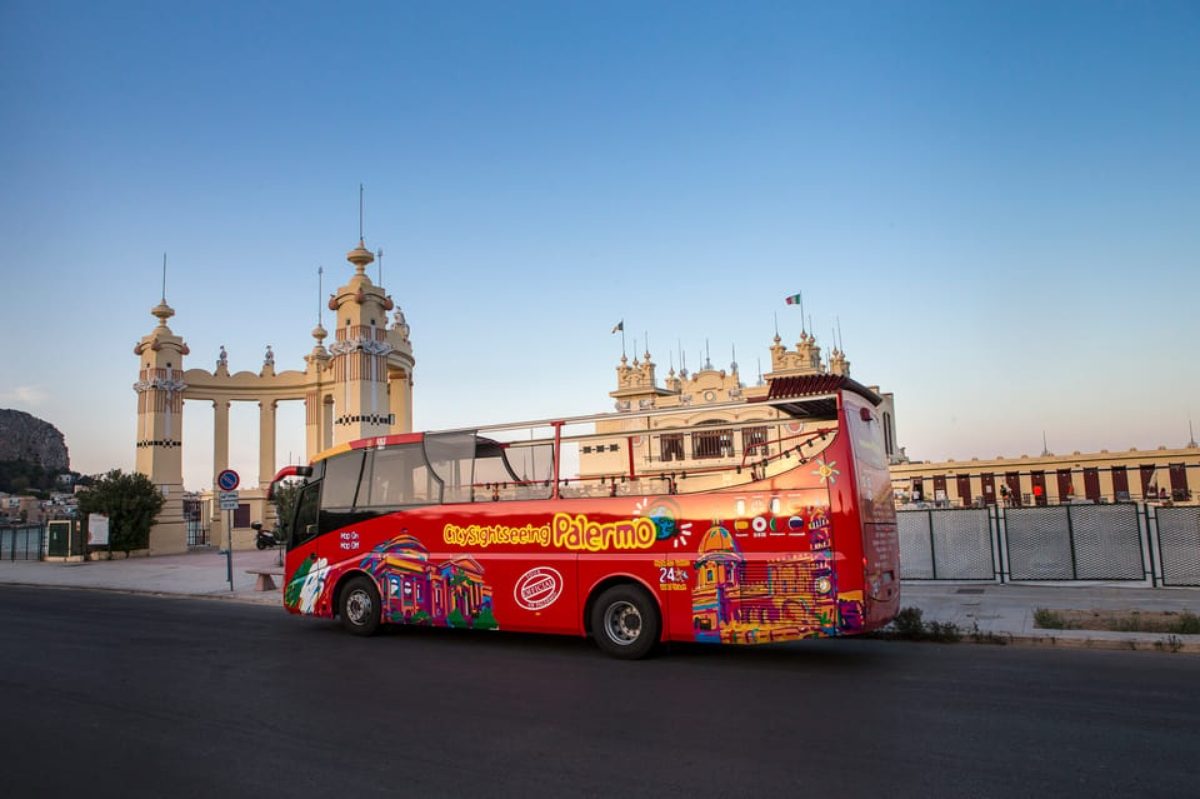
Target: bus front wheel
x,y
359,606
625,622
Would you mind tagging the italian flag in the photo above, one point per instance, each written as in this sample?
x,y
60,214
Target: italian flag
x,y
793,300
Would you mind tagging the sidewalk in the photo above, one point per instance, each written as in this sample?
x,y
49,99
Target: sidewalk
x,y
199,574
1006,611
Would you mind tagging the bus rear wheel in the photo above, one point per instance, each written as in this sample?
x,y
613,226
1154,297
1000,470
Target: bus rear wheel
x,y
625,622
358,606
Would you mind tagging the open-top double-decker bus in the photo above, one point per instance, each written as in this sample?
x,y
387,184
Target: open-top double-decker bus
x,y
483,529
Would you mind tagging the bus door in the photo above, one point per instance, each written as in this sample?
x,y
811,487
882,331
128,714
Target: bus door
x,y
876,510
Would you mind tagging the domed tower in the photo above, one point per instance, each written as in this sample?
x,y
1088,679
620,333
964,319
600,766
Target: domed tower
x,y
370,362
159,390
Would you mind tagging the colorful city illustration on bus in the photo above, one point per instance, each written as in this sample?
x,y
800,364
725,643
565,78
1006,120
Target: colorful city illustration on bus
x,y
735,598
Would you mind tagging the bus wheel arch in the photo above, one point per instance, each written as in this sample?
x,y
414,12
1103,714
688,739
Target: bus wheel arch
x,y
624,617
357,603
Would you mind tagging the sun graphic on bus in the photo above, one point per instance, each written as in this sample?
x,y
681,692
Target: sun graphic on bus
x,y
665,515
826,472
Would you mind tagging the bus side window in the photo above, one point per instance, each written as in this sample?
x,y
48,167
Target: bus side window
x,y
340,486
341,481
398,476
304,524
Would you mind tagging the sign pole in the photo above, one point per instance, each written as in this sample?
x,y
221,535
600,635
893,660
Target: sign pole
x,y
227,483
229,547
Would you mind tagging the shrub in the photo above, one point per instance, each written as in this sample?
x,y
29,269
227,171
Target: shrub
x,y
908,623
1048,619
130,501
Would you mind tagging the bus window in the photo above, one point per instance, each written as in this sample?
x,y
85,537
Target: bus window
x,y
341,481
304,523
397,476
452,457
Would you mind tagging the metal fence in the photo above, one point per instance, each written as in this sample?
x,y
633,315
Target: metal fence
x,y
26,542
1179,545
1105,542
953,544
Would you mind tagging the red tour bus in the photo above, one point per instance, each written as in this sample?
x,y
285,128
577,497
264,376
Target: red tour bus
x,y
793,537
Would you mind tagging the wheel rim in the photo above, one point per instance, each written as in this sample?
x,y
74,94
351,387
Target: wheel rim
x,y
622,623
358,606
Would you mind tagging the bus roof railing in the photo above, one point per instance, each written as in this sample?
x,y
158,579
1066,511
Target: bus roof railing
x,y
785,405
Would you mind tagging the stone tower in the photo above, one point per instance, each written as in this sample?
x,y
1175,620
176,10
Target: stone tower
x,y
159,390
371,364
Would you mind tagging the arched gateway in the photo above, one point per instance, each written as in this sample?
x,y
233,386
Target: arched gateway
x,y
360,386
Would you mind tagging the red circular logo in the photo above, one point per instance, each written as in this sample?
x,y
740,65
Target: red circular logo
x,y
538,588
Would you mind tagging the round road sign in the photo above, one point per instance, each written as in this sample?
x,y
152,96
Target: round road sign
x,y
228,480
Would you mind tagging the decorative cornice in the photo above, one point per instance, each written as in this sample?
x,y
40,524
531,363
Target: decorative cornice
x,y
168,384
360,343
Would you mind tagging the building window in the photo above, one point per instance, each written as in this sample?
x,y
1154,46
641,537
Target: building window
x,y
754,442
712,443
670,446
1179,484
887,434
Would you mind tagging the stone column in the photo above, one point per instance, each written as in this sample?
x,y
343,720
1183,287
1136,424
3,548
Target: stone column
x,y
220,436
266,442
220,462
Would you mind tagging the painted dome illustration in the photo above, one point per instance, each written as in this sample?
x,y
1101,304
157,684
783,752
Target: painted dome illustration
x,y
718,544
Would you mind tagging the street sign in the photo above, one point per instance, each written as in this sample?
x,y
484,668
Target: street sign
x,y
229,500
228,480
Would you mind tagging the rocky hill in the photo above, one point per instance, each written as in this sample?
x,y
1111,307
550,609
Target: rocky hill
x,y
24,437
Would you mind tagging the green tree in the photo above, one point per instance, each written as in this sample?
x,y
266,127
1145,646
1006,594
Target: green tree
x,y
284,496
130,501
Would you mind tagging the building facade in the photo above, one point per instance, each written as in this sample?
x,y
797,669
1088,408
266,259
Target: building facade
x,y
712,422
1158,475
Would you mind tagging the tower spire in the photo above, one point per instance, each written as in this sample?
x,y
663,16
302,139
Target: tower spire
x,y
320,290
360,213
164,279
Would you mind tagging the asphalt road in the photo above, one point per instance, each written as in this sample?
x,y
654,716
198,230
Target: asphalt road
x,y
106,694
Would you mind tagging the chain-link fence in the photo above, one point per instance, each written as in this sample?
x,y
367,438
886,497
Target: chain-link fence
x,y
1179,545
1097,542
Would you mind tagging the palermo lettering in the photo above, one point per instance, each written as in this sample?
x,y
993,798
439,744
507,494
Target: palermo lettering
x,y
575,533
581,534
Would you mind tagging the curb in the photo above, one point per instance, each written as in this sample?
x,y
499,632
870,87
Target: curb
x,y
1167,643
229,597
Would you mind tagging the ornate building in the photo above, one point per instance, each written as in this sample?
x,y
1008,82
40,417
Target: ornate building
x,y
360,386
702,435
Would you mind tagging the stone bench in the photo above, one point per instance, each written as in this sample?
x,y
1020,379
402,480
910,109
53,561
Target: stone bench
x,y
264,581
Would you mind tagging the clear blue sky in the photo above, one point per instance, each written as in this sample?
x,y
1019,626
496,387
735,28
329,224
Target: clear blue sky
x,y
1000,201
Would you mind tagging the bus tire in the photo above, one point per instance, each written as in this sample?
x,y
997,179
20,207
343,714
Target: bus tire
x,y
625,622
358,606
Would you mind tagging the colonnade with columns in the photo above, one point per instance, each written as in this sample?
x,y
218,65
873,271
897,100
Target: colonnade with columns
x,y
360,386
